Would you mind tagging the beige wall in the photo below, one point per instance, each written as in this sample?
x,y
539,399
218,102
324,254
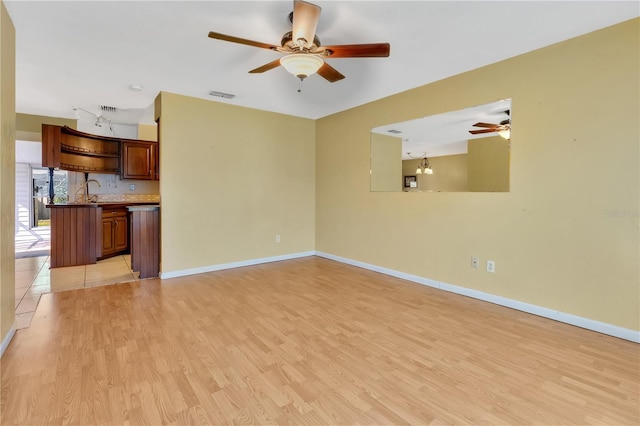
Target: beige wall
x,y
449,173
231,179
7,171
565,237
29,126
488,164
148,132
386,164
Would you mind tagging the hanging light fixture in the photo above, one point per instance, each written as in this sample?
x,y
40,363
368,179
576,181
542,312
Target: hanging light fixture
x,y
505,133
302,65
424,167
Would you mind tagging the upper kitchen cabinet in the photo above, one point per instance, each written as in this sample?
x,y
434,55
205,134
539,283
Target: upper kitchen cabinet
x,y
140,160
69,149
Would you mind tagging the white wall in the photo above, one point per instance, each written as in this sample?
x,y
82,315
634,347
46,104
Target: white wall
x,y
87,125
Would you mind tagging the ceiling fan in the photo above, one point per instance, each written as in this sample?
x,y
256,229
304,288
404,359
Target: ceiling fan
x,y
503,129
304,53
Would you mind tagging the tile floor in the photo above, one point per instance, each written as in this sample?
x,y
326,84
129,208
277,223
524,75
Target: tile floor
x,y
33,278
30,240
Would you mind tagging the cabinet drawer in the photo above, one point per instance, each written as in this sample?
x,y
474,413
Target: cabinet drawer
x,y
109,213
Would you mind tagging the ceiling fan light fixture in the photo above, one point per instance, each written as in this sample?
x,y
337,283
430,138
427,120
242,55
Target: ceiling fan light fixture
x,y
302,65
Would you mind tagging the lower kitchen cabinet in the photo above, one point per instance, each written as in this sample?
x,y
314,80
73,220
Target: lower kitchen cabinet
x,y
81,234
115,232
145,240
73,235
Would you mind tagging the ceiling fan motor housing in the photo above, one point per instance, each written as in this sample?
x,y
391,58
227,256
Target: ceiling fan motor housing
x,y
288,43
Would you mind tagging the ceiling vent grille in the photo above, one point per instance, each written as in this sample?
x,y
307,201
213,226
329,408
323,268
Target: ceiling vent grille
x,y
222,95
107,108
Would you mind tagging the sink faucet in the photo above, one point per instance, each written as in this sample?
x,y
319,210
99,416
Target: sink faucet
x,y
85,188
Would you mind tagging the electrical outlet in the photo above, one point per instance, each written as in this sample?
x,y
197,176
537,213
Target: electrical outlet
x,y
475,262
277,238
491,266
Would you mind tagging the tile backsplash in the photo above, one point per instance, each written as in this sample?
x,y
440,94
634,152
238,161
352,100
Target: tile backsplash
x,y
112,188
129,198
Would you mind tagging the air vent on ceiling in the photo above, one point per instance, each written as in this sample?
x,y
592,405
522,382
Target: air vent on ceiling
x,y
107,108
394,131
222,95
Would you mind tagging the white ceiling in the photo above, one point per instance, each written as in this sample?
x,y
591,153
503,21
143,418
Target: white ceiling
x,y
88,53
28,152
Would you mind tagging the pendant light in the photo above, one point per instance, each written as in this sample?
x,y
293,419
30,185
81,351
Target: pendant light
x,y
424,167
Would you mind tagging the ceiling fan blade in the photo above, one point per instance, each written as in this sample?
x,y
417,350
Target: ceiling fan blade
x,y
305,21
329,73
475,132
485,125
266,67
372,50
239,40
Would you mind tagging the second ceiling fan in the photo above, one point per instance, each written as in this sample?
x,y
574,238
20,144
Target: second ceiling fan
x,y
503,128
304,53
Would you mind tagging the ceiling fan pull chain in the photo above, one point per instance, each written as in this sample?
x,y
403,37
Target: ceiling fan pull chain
x,y
300,86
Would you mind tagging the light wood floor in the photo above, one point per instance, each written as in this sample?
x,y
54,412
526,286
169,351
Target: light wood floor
x,y
34,278
307,341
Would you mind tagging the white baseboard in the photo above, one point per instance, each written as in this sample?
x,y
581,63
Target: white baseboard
x,y
589,324
7,339
219,267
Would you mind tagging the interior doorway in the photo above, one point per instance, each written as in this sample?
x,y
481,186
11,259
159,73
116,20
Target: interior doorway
x,y
40,214
39,183
33,231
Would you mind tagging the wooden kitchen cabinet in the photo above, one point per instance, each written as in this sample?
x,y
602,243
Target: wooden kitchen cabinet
x,y
145,240
70,149
140,160
155,161
74,240
115,232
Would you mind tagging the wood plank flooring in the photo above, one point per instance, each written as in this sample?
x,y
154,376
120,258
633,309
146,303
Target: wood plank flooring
x,y
307,341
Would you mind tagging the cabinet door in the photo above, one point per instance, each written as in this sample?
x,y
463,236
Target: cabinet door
x,y
108,242
51,145
136,160
155,161
120,233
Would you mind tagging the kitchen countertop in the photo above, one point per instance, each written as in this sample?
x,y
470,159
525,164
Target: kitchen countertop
x,y
144,208
109,204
